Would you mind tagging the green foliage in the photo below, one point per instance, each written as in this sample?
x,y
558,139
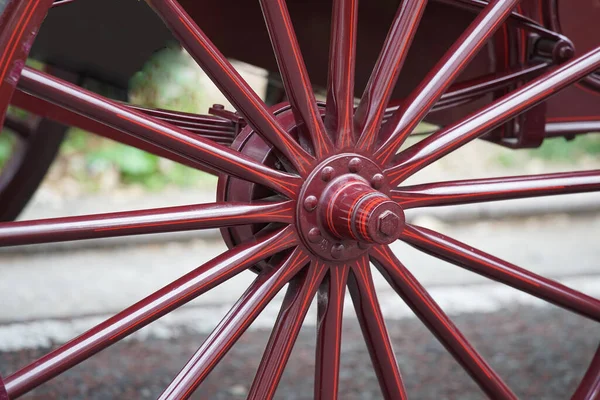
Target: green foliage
x,y
130,161
7,141
559,149
133,166
170,79
76,141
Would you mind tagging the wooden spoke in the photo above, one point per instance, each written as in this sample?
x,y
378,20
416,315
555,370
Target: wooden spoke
x,y
231,84
417,298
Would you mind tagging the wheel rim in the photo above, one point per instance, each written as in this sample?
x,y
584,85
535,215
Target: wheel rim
x,y
332,207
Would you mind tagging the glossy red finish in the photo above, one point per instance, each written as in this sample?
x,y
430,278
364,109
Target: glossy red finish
x,y
164,135
589,388
171,219
298,298
473,89
147,310
330,302
423,305
58,3
368,311
369,113
305,199
231,84
442,76
341,205
443,142
495,189
19,25
352,209
293,72
3,394
340,83
213,128
37,144
492,267
233,325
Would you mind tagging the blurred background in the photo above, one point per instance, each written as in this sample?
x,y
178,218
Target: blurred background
x,y
50,293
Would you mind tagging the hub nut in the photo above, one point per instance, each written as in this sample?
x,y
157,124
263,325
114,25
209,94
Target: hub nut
x,y
388,223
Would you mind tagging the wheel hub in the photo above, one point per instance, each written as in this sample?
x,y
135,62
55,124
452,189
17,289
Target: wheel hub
x,y
343,208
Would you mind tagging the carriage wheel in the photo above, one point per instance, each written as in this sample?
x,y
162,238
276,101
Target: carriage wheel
x,y
37,141
322,198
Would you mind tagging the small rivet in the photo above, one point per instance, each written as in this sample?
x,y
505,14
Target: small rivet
x,y
314,235
377,181
310,203
327,174
355,164
337,251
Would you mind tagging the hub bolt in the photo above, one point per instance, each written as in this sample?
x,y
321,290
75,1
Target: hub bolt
x,y
314,235
310,203
327,174
337,251
377,181
355,165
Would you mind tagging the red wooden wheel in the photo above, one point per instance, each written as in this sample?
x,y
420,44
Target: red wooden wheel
x,y
37,142
316,191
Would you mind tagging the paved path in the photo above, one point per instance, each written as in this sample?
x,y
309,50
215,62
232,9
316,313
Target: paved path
x,y
540,353
49,297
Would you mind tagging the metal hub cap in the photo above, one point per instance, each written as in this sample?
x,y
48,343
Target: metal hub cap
x,y
344,208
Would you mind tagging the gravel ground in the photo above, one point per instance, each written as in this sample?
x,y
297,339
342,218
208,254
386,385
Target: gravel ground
x,y
541,354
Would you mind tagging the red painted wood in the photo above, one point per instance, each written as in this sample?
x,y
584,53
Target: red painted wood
x,y
475,260
473,89
339,218
339,110
589,388
417,298
169,219
376,96
297,300
147,310
58,3
146,128
441,77
19,25
38,142
329,332
377,338
516,19
495,189
233,325
451,138
231,84
294,75
64,116
352,209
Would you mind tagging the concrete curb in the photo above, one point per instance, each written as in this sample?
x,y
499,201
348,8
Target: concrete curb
x,y
575,204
